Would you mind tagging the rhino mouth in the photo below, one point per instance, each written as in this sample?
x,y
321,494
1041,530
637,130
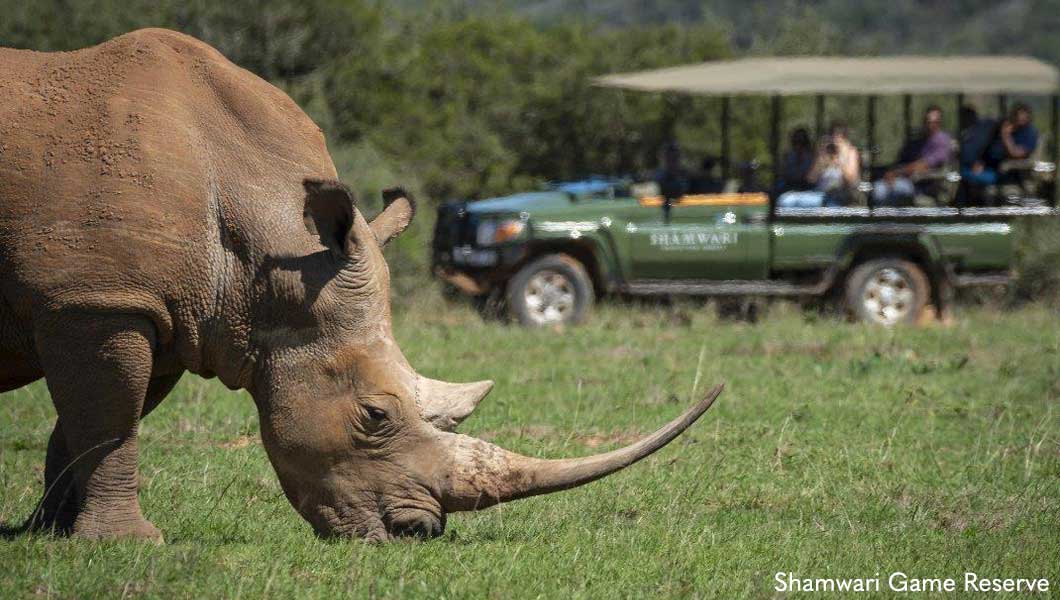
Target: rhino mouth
x,y
419,518
379,521
416,524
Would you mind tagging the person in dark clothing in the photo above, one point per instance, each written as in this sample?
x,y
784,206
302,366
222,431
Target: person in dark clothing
x,y
798,161
705,181
1016,138
975,136
672,178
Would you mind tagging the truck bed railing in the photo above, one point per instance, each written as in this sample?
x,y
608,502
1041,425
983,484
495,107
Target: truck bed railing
x,y
915,212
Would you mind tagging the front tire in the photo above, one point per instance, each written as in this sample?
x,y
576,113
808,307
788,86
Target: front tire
x,y
552,290
887,291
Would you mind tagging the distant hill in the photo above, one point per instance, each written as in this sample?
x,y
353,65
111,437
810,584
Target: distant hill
x,y
818,26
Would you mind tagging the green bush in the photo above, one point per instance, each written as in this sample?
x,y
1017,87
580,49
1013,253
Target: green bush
x,y
1038,261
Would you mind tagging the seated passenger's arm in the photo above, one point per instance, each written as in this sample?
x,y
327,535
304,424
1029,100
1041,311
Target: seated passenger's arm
x,y
851,164
917,166
819,165
1014,149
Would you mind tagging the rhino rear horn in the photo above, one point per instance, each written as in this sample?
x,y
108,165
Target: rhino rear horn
x,y
445,404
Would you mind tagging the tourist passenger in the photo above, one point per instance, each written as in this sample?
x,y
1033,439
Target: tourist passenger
x,y
834,176
797,163
671,176
928,151
706,181
673,179
1016,138
976,134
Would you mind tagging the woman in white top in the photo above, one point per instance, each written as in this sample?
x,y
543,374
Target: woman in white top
x,y
835,173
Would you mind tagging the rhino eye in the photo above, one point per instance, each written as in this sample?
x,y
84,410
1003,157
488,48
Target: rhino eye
x,y
377,415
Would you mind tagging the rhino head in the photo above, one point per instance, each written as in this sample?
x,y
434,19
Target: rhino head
x,y
361,443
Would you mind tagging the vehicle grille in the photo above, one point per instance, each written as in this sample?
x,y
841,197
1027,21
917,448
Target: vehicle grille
x,y
454,227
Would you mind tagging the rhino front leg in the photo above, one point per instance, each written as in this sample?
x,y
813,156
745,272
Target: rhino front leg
x,y
98,369
57,509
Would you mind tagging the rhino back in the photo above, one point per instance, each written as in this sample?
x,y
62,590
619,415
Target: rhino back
x,y
145,174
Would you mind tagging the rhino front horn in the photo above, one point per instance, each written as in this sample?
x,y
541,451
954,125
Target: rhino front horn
x,y
482,474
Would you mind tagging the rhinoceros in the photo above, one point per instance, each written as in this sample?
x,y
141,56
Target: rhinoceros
x,y
163,210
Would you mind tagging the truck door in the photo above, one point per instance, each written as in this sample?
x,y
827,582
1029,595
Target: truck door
x,y
708,237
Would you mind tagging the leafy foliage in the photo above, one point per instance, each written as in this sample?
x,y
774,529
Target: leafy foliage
x,y
478,97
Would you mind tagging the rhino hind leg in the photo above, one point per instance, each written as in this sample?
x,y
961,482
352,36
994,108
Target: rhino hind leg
x,y
98,370
57,509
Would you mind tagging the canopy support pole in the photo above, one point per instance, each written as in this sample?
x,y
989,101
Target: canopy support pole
x,y
774,138
961,197
1002,107
669,116
960,126
819,116
907,114
872,133
1053,100
725,151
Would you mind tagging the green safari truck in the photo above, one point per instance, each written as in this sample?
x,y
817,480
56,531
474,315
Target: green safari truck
x,y
549,254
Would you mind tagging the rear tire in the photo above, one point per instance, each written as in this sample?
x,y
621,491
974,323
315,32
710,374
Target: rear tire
x,y
887,291
552,290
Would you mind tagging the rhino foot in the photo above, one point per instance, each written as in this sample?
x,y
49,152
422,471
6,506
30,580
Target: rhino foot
x,y
96,529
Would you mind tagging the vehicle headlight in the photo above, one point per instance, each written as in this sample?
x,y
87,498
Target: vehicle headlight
x,y
498,232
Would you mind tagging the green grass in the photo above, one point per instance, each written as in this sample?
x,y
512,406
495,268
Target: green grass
x,y
837,450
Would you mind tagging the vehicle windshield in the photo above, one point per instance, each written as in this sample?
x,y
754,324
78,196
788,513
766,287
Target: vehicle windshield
x,y
594,187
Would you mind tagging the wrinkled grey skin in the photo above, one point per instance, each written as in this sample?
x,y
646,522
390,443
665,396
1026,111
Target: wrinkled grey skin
x,y
166,211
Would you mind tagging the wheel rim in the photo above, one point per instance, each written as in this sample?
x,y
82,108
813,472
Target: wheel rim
x,y
549,297
888,296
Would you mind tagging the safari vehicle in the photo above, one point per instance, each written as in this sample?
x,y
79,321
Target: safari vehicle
x,y
549,254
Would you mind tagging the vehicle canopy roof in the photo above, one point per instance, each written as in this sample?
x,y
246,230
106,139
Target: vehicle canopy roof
x,y
848,76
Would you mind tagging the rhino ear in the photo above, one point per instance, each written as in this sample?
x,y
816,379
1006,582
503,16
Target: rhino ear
x,y
329,212
398,210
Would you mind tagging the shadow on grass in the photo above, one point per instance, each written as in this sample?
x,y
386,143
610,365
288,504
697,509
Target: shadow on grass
x,y
10,531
